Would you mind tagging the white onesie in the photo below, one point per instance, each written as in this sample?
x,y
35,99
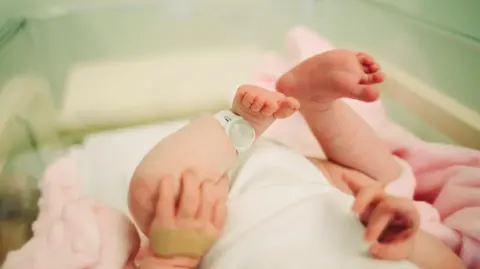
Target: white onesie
x,y
284,214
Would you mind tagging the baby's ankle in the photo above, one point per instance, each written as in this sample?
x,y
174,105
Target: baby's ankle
x,y
259,124
315,107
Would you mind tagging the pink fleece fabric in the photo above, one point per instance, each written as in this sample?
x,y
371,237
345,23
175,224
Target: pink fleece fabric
x,y
446,186
73,231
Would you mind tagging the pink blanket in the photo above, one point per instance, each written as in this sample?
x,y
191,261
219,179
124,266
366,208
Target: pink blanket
x,y
73,231
447,188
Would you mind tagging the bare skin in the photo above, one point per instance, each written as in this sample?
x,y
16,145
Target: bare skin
x,y
318,83
259,107
392,226
391,223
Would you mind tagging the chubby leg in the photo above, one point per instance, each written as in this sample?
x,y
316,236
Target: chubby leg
x,y
319,83
201,146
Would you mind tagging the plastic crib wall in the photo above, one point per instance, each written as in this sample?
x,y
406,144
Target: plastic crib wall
x,y
62,37
436,41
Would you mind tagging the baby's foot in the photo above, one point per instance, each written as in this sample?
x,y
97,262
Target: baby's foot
x,y
260,107
334,74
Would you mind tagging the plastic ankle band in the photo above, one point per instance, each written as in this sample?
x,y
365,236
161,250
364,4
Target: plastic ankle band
x,y
167,242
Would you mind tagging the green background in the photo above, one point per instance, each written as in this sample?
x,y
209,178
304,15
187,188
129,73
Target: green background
x,y
434,40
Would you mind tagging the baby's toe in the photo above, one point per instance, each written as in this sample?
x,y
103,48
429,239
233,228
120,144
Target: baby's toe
x,y
374,78
368,63
248,100
271,103
378,77
269,108
365,59
373,68
368,93
287,107
293,103
258,103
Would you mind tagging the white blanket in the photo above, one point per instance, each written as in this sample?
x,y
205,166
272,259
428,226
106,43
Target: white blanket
x,y
283,213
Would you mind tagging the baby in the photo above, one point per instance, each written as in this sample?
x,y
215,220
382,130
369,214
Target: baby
x,y
176,185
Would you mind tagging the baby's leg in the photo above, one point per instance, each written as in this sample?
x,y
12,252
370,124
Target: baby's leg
x,y
318,83
201,146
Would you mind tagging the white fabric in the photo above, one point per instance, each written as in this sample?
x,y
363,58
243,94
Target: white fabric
x,y
282,211
283,214
108,160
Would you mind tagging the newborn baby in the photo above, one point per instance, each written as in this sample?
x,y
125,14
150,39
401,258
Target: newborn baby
x,y
290,211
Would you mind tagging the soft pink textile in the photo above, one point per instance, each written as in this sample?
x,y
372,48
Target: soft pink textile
x,y
73,231
447,187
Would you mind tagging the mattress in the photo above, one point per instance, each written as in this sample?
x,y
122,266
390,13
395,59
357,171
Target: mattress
x,y
106,161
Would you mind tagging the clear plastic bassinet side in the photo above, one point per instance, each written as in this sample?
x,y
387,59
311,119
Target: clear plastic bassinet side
x,y
26,135
41,47
27,146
